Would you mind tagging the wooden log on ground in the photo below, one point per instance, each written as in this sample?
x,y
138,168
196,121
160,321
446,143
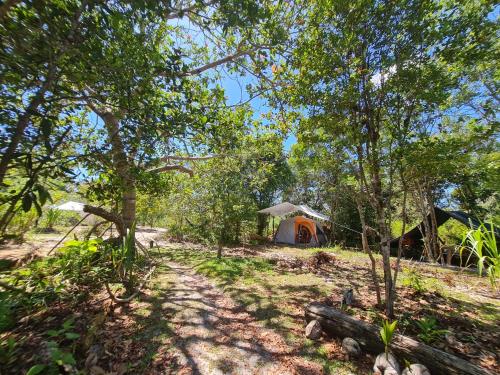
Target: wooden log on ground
x,y
367,335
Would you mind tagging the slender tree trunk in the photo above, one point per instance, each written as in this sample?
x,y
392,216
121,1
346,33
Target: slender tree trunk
x,y
123,169
366,249
22,123
261,224
400,243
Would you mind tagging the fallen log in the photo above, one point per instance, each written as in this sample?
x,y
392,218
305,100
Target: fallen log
x,y
342,325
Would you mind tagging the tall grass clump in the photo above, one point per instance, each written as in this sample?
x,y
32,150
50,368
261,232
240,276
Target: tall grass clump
x,y
482,244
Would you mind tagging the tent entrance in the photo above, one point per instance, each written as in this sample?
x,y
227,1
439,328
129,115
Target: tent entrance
x,y
303,234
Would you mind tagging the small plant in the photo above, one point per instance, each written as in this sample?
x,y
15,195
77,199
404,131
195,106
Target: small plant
x,y
59,357
386,333
429,330
52,216
413,279
482,243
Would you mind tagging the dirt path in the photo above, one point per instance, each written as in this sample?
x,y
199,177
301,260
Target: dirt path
x,y
214,336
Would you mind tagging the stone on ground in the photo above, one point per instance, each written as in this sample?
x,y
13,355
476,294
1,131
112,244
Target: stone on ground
x,y
313,330
351,347
386,364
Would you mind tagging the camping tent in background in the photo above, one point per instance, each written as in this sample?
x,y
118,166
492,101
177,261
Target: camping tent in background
x,y
70,206
297,229
414,238
77,207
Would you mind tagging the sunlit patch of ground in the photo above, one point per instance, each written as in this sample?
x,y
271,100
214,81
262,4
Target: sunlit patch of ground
x,y
462,302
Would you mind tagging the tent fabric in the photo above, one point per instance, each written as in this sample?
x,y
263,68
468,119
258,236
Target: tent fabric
x,y
415,235
70,206
287,208
288,230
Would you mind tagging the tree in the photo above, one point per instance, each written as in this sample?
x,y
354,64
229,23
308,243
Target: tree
x,y
370,74
140,75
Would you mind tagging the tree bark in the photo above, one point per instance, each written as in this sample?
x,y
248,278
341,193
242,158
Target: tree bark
x,y
342,325
123,169
22,123
366,249
109,216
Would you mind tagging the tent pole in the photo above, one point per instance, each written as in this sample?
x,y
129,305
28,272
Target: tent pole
x,y
273,226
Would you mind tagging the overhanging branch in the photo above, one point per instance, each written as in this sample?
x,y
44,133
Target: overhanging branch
x,y
109,216
168,168
221,61
187,158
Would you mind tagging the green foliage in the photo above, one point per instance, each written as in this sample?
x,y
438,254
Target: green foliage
x,y
429,329
8,350
482,244
386,333
230,269
76,268
58,356
51,218
413,279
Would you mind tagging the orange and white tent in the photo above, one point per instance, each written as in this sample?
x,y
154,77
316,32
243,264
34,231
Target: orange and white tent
x,y
297,229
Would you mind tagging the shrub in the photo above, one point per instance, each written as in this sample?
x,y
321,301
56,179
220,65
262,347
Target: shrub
x,y
481,243
429,330
413,279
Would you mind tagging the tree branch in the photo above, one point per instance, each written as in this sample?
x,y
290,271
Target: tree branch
x,y
190,158
168,168
222,61
109,216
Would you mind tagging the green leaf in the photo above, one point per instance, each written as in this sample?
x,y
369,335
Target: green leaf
x,y
26,203
67,358
36,369
71,335
52,333
68,323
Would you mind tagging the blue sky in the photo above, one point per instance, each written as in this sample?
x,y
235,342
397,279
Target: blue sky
x,y
236,93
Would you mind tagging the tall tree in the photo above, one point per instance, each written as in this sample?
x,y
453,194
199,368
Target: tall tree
x,y
369,74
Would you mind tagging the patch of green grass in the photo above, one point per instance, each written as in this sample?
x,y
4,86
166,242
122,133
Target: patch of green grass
x,y
230,269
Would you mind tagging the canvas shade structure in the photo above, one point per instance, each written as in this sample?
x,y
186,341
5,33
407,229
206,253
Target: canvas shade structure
x,y
414,237
297,229
287,208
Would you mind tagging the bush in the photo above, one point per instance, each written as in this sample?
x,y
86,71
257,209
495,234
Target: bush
x,y
429,330
413,279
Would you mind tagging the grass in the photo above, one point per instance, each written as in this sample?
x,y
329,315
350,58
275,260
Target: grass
x,y
272,297
277,298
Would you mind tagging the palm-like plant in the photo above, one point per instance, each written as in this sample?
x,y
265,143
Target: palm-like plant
x,y
386,333
482,243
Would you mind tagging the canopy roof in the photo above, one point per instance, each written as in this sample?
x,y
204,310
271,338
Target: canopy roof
x,y
70,206
287,208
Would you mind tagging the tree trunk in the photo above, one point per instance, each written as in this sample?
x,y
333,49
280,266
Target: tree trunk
x,y
22,123
366,249
123,169
342,325
261,223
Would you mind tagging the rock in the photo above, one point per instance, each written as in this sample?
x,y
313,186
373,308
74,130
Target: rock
x,y
313,330
416,369
387,365
451,340
351,347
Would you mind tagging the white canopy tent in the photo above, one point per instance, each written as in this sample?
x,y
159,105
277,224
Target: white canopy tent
x,y
70,206
287,208
297,229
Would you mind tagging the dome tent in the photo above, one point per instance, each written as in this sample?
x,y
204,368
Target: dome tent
x,y
297,229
